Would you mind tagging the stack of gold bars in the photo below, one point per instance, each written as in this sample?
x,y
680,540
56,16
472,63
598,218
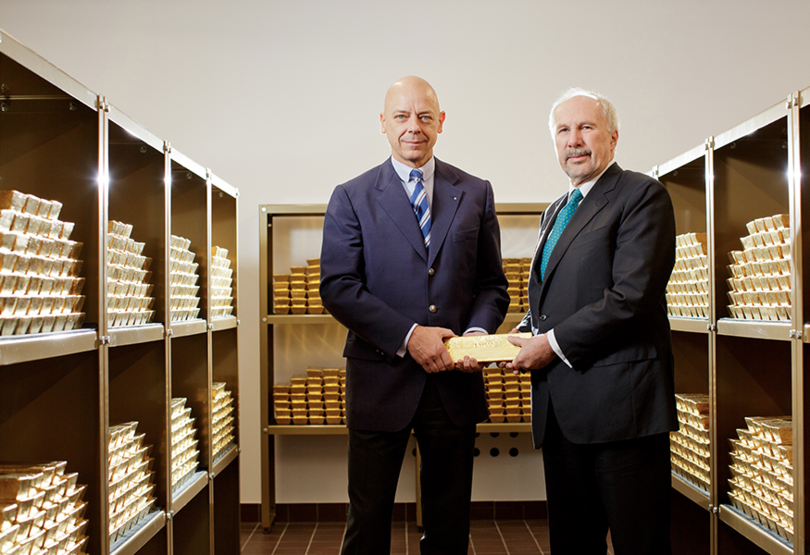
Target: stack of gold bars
x,y
221,280
517,272
183,277
185,455
319,397
298,292
508,395
762,474
40,290
690,446
129,300
131,479
223,420
688,287
759,286
41,510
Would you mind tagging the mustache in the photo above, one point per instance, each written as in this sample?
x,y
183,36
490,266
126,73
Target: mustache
x,y
585,151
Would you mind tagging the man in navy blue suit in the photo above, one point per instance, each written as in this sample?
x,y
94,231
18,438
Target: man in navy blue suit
x,y
411,256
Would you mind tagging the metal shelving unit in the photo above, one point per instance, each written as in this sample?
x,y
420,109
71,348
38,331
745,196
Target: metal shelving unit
x,y
268,217
747,367
61,141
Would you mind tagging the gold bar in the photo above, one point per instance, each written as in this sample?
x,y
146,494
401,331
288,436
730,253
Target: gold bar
x,y
484,348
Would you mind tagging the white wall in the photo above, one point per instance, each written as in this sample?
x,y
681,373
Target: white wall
x,y
281,98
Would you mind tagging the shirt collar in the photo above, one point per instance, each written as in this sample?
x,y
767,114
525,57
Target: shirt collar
x,y
586,187
404,172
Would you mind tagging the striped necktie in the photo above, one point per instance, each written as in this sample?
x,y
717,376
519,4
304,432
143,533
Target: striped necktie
x,y
559,225
420,206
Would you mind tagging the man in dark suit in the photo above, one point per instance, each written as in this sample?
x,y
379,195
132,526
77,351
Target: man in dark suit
x,y
410,257
601,355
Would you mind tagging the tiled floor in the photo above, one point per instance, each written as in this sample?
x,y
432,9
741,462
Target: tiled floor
x,y
486,537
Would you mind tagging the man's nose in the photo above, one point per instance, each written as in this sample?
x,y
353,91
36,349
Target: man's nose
x,y
413,124
575,138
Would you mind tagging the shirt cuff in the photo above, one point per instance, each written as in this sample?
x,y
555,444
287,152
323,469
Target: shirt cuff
x,y
482,330
403,349
552,340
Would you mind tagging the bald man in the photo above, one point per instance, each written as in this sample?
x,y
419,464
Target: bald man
x,y
411,256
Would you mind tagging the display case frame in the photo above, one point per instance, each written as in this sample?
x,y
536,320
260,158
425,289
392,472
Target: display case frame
x,y
112,167
754,367
267,214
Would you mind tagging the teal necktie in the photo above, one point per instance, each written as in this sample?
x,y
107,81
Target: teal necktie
x,y
562,220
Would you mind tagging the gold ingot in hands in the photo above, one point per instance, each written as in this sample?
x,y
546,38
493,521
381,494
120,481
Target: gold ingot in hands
x,y
484,348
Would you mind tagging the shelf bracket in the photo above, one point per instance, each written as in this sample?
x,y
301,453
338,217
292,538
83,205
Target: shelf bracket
x,y
711,327
104,340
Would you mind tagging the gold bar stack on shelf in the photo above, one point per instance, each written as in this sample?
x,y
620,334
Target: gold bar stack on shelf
x,y
282,403
131,479
690,446
508,395
688,287
759,286
129,300
185,455
762,473
298,289
183,278
314,302
517,272
317,397
298,292
281,293
40,290
222,279
334,395
223,419
41,510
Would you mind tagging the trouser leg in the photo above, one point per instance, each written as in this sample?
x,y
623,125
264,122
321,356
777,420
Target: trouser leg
x,y
446,477
635,485
576,518
375,461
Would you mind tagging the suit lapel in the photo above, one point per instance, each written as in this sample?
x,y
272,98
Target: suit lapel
x,y
588,208
393,199
446,200
546,224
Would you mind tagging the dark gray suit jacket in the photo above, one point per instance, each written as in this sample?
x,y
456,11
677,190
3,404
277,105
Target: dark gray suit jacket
x,y
377,279
604,297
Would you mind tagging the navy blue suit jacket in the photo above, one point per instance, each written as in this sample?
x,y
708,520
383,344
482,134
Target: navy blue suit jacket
x,y
604,297
378,279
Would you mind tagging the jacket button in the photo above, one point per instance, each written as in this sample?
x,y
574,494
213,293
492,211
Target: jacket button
x,y
543,317
431,272
433,308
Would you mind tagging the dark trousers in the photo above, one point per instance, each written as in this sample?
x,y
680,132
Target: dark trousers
x,y
623,486
375,461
